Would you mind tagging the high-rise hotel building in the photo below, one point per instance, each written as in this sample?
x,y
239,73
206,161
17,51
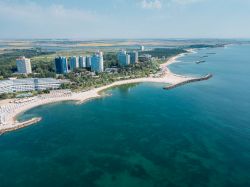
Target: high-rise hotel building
x,y
23,65
142,48
133,57
123,58
82,61
97,62
61,65
73,63
88,61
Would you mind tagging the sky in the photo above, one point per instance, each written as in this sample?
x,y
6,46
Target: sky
x,y
106,19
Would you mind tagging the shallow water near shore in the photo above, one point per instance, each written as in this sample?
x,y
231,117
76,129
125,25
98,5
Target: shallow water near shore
x,y
195,135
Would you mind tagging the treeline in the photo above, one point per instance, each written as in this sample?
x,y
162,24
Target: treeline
x,y
110,59
163,52
205,45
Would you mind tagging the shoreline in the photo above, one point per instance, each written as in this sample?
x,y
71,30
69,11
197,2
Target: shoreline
x,y
9,111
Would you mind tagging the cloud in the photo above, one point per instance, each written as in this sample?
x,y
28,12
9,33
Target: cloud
x,y
151,4
158,4
184,2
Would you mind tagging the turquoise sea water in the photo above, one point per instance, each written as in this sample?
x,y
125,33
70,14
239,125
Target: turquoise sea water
x,y
143,136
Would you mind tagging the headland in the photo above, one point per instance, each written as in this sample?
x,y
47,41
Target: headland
x,y
10,109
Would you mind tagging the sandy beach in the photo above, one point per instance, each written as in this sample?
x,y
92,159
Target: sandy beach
x,y
10,109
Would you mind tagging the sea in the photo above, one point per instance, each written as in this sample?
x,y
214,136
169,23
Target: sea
x,y
196,135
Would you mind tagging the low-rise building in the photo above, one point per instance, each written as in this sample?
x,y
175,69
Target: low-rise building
x,y
111,70
29,84
145,58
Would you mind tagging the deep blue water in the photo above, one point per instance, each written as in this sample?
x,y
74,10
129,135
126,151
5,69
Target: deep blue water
x,y
195,135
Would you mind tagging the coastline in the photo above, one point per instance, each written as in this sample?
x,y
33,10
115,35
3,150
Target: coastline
x,y
9,111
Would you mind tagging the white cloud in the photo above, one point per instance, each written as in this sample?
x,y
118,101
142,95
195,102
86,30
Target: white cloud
x,y
184,2
158,4
151,4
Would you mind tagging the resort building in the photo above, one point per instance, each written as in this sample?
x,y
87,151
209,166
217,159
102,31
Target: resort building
x,y
133,57
29,84
111,70
123,58
61,65
73,63
145,58
23,65
82,61
88,61
97,62
142,48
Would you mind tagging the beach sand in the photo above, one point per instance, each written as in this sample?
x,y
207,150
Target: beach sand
x,y
10,110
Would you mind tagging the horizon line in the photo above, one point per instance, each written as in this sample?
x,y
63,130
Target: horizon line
x,y
96,39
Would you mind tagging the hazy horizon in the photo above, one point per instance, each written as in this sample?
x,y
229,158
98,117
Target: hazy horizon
x,y
108,39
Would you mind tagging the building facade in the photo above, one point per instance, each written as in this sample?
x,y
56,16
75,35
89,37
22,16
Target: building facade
x,y
82,61
73,63
88,61
123,58
133,57
23,65
142,48
97,62
145,58
61,65
29,84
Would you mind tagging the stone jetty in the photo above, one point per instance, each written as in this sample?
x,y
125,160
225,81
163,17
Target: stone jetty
x,y
206,77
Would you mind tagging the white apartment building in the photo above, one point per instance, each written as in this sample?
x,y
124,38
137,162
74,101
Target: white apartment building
x,y
23,65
